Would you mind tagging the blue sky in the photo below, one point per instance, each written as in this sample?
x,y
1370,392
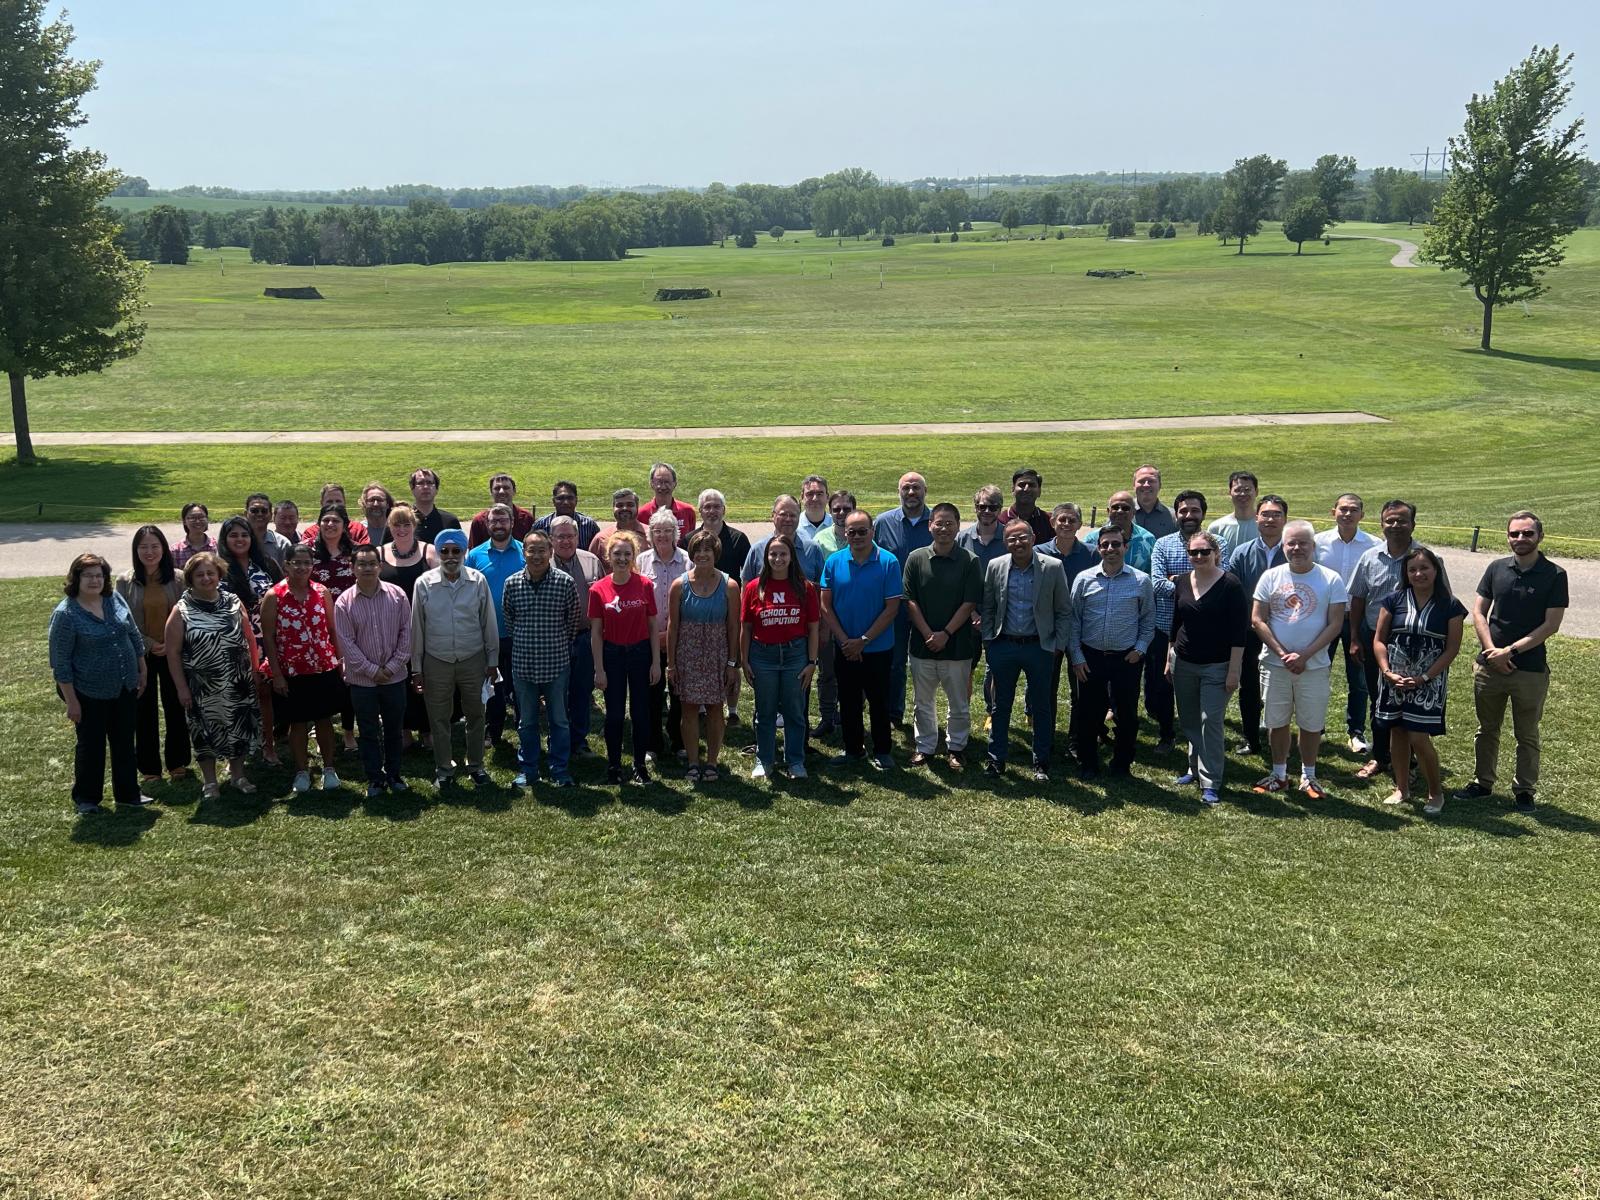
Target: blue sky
x,y
484,92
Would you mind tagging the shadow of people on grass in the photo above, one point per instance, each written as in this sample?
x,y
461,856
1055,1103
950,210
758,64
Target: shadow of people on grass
x,y
114,827
231,810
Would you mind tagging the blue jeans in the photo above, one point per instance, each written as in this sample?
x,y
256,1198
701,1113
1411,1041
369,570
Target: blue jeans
x,y
580,688
554,695
1007,661
777,671
380,716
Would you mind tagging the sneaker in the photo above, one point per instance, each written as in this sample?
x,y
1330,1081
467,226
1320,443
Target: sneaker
x,y
1312,790
1187,779
443,779
302,781
1434,807
641,775
993,770
1209,797
374,790
140,801
84,807
1040,773
614,775
798,771
1359,744
759,772
845,759
521,780
1473,791
1270,785
330,780
399,785
564,781
1524,802
882,762
1246,747
480,778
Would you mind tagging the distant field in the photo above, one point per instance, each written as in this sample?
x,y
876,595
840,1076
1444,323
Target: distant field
x,y
203,203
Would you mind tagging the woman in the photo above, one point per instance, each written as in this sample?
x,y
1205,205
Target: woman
x,y
333,493
250,575
624,638
702,631
334,567
150,589
375,505
664,564
212,652
196,520
1210,625
303,651
97,656
1418,637
402,558
778,646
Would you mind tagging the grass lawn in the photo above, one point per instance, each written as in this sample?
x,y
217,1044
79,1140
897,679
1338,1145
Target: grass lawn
x,y
880,986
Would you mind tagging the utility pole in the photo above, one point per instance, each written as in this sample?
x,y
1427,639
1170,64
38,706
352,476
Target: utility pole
x,y
1427,157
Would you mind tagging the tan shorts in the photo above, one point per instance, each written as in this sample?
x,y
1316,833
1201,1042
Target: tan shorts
x,y
1302,698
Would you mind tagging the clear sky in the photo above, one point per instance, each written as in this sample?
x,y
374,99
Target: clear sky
x,y
324,93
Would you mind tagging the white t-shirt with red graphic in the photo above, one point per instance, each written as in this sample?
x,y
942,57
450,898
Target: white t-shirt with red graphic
x,y
1297,606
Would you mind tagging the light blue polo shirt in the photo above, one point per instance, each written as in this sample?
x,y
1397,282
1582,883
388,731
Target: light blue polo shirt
x,y
859,592
497,567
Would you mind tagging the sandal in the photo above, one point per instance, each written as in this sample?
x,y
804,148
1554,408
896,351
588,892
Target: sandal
x,y
211,791
1397,797
1370,770
241,784
709,773
693,773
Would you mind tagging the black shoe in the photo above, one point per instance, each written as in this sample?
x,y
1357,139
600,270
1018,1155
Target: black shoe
x,y
399,785
845,759
993,770
1473,791
140,802
1120,770
824,729
614,775
1088,772
1524,802
1164,746
641,775
480,778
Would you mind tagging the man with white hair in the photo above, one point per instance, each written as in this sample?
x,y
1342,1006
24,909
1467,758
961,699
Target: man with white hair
x,y
1298,613
663,483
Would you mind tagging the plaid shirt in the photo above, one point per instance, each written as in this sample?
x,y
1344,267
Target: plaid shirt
x,y
541,619
1171,557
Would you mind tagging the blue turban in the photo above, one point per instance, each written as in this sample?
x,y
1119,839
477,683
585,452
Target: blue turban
x,y
450,537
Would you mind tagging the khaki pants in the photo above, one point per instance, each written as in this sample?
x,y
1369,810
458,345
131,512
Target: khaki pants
x,y
441,682
1526,691
928,676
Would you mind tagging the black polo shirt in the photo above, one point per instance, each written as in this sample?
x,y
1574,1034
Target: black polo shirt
x,y
1519,601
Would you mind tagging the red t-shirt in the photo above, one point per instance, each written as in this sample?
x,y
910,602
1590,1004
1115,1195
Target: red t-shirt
x,y
684,514
624,612
781,617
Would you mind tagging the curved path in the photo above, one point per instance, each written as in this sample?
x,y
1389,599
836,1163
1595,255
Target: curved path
x,y
1408,250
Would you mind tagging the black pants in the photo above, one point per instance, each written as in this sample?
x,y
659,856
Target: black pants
x,y
1072,699
1157,691
1113,676
665,705
380,713
627,671
1369,669
1250,692
864,684
160,700
105,721
503,699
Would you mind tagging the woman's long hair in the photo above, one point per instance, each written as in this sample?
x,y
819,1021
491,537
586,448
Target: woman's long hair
x,y
319,546
1441,584
166,571
237,581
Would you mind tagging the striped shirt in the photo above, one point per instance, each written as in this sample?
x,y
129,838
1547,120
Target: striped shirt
x,y
374,634
540,619
1111,612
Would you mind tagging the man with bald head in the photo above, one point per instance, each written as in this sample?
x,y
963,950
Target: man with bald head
x,y
1138,544
900,531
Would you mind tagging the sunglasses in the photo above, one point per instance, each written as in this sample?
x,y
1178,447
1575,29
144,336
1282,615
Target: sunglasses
x,y
451,552
1119,508
1204,552
857,532
842,510
987,507
1522,533
259,512
1104,546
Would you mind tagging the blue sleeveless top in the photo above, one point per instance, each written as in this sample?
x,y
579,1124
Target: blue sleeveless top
x,y
704,610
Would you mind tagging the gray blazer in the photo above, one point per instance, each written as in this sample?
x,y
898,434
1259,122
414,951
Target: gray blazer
x,y
1052,599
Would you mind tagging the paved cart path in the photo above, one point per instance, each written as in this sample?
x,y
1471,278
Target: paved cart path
x,y
1408,250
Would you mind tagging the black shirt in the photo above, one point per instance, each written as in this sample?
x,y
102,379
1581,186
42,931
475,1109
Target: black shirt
x,y
1206,630
435,523
1519,601
734,550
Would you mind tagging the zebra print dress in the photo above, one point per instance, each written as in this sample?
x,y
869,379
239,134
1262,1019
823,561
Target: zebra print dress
x,y
224,721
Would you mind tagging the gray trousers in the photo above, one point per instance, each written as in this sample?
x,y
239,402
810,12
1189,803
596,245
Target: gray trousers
x,y
1202,698
442,682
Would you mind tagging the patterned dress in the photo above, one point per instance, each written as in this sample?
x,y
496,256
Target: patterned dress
x,y
1417,638
260,584
224,721
703,651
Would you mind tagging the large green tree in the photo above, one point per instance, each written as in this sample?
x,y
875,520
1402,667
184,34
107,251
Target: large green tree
x,y
1249,189
1305,221
69,297
1333,179
1513,189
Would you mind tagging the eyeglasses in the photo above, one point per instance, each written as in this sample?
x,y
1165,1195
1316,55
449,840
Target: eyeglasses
x,y
1104,546
1203,552
987,507
857,532
1522,533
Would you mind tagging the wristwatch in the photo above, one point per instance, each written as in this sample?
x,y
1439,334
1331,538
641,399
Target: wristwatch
x,y
732,663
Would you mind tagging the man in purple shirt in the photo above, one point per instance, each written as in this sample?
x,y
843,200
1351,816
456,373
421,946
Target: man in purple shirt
x,y
374,624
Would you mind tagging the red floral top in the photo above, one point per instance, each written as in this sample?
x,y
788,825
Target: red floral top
x,y
305,631
336,573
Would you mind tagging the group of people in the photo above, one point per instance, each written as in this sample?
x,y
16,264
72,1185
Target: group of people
x,y
406,625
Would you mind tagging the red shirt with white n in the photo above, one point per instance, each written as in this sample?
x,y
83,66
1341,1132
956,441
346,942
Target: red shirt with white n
x,y
783,616
624,611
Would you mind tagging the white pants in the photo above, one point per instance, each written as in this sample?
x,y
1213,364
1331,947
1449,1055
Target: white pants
x,y
928,676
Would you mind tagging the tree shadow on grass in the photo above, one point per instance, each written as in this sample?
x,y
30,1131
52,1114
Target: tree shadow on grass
x,y
71,489
116,827
1537,360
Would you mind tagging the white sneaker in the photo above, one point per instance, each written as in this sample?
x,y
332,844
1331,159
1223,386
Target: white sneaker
x,y
759,771
330,779
1359,745
302,781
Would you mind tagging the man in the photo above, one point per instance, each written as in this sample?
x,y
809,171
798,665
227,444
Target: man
x,y
663,483
1138,543
1339,549
1026,620
1376,574
1248,561
286,521
861,590
624,516
1298,609
1239,527
943,587
258,511
502,490
1112,621
1168,561
900,531
1149,514
1521,601
841,504
564,503
985,538
734,546
585,570
785,522
431,521
814,514
1066,519
455,649
542,616
497,560
373,620
1026,487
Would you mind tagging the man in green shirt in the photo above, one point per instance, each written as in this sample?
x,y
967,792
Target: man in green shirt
x,y
943,586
